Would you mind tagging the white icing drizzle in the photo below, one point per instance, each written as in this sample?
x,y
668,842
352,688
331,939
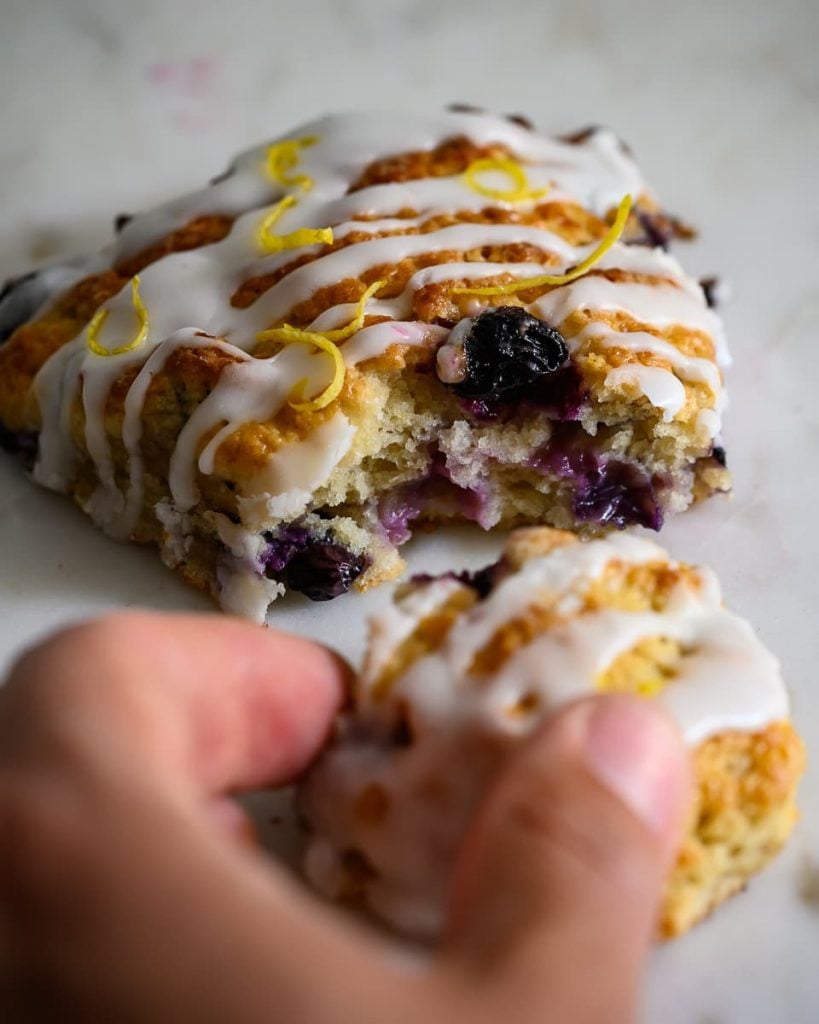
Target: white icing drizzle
x,y
689,368
373,341
132,420
659,305
243,591
597,173
187,295
660,387
282,490
399,620
463,726
56,388
743,691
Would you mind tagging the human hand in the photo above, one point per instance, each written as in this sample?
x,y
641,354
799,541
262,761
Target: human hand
x,y
128,894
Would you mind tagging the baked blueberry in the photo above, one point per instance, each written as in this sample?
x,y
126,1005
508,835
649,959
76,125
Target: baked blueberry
x,y
660,229
505,352
714,290
314,565
325,570
282,548
617,494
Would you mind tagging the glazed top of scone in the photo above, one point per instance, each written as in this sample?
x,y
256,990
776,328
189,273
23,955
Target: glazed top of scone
x,y
557,619
352,236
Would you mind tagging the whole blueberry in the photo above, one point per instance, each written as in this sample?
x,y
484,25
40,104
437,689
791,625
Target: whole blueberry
x,y
324,570
505,352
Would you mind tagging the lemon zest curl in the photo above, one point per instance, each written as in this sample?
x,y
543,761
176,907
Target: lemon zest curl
x,y
99,318
282,157
333,389
326,342
611,236
271,242
518,193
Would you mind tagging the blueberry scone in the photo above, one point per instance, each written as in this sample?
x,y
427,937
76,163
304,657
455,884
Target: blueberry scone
x,y
462,668
378,321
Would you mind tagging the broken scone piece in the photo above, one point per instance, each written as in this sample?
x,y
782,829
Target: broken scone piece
x,y
375,321
462,668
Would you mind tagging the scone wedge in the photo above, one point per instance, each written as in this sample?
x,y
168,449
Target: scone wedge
x,y
462,668
374,322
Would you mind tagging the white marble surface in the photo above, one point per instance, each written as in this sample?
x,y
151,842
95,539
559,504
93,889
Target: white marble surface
x,y
109,106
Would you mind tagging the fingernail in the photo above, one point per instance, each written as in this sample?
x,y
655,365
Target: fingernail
x,y
635,751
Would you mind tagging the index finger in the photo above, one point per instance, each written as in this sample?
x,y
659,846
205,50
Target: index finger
x,y
221,703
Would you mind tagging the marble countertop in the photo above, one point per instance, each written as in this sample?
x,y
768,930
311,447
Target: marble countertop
x,y
109,108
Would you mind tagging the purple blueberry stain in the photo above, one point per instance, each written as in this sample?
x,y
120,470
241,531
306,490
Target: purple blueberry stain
x,y
398,508
568,453
436,492
565,458
605,491
617,494
561,396
481,409
282,547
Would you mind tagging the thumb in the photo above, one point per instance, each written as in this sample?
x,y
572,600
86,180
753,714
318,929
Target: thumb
x,y
559,881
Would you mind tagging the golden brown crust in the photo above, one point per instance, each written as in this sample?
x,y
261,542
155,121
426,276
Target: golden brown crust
x,y
743,801
200,231
452,156
31,345
742,812
430,634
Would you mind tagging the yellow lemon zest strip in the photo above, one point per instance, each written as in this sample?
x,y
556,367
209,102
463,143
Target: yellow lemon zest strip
x,y
519,193
270,242
326,341
286,333
611,236
99,318
333,389
282,157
